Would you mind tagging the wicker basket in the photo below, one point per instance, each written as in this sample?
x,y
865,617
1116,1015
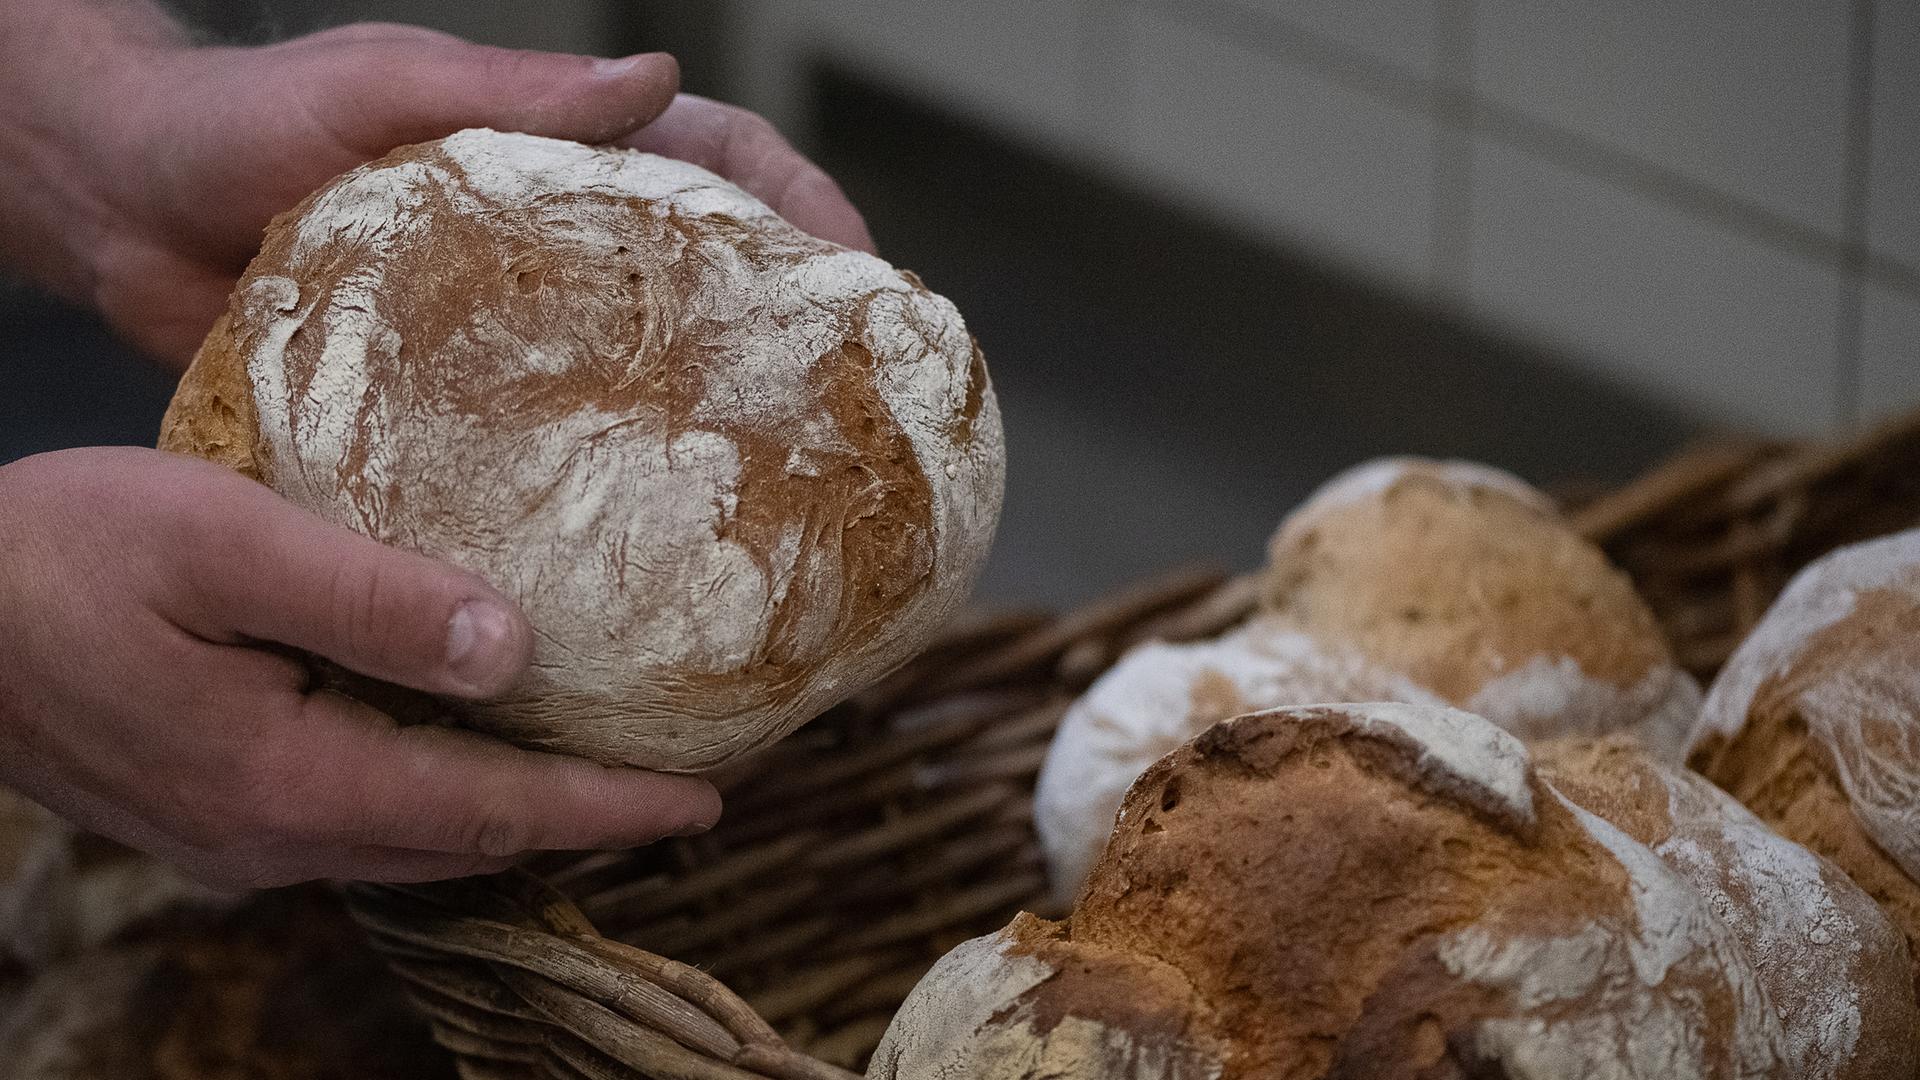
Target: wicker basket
x,y
857,852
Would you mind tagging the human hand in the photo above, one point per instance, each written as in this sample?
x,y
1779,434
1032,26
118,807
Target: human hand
x,y
136,590
171,159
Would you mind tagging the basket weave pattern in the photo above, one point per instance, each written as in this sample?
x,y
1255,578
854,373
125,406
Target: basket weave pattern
x,y
856,853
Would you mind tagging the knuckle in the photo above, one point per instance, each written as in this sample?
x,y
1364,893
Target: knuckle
x,y
355,604
499,835
511,67
271,794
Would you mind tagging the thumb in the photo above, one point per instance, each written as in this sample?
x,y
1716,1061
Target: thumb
x,y
392,85
260,568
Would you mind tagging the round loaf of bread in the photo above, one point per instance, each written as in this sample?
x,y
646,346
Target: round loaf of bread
x,y
1814,723
1379,891
1467,581
731,472
1833,965
1160,695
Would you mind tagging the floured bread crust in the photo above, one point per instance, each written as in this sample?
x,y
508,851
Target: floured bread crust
x,y
731,472
1835,968
1814,723
1027,1004
1464,579
1159,696
1379,891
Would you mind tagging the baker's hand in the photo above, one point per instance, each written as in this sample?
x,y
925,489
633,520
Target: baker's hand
x,y
135,588
168,159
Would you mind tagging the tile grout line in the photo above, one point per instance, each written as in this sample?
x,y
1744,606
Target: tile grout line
x,y
1850,329
1593,158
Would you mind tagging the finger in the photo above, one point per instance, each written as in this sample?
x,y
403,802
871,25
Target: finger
x,y
749,151
259,567
167,323
227,870
382,87
441,789
401,866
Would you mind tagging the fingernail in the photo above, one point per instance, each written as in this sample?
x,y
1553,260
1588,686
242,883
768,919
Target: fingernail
x,y
480,644
607,69
694,829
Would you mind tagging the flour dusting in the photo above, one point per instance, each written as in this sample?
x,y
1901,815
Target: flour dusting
x,y
1157,697
624,390
1639,986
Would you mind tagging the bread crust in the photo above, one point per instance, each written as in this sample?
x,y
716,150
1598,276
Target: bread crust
x,y
212,414
1814,723
1379,891
732,472
1467,581
1836,969
1159,696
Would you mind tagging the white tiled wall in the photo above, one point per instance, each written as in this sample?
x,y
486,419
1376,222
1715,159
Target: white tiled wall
x,y
1715,200
1894,207
1890,349
1395,32
1749,96
1652,295
1310,160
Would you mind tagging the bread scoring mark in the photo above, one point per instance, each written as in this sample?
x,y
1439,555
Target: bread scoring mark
x,y
618,369
1455,752
1159,696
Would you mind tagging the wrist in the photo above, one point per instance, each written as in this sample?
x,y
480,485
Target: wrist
x,y
70,71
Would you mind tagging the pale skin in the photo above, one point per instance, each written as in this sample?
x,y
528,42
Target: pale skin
x,y
149,603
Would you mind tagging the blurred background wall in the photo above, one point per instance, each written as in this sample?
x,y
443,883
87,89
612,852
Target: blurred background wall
x,y
1716,201
1219,249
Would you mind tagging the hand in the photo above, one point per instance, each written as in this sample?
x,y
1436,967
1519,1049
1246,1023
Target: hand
x,y
135,590
172,159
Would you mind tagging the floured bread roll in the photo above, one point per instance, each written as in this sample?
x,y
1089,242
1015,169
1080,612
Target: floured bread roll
x,y
1467,581
1401,580
1379,891
1159,696
1814,722
1834,967
732,472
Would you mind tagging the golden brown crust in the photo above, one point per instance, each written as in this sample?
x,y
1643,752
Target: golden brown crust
x,y
1450,583
1381,891
212,412
1468,583
1344,907
1293,938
